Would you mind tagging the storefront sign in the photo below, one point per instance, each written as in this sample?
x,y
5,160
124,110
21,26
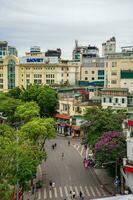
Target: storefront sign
x,y
35,60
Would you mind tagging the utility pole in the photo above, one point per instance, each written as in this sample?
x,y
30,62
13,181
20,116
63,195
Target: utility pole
x,y
17,166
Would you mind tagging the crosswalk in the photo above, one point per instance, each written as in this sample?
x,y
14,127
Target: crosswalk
x,y
84,153
62,192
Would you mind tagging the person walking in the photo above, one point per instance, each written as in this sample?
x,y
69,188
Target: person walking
x,y
81,195
50,185
73,195
55,145
62,155
68,143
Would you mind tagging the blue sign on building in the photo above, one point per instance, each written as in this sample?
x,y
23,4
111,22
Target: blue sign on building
x,y
34,60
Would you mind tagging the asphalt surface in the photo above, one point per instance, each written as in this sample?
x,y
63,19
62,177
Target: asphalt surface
x,y
68,173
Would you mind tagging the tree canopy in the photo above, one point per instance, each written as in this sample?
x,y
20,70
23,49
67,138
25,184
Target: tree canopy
x,y
26,111
98,121
45,97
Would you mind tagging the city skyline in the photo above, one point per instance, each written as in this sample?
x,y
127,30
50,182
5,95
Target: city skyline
x,y
52,25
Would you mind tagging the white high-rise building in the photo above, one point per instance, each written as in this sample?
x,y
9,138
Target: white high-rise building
x,y
109,46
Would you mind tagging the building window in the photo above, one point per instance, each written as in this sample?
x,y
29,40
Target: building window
x,y
27,75
101,78
110,100
114,73
116,100
113,81
93,72
37,81
104,100
1,86
62,74
62,68
101,72
114,64
1,75
11,74
1,80
86,78
92,78
67,74
123,100
86,72
67,68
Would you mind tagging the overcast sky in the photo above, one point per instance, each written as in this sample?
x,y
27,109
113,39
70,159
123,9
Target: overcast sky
x,y
57,23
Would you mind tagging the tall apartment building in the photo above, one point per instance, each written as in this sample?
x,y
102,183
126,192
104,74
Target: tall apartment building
x,y
6,50
86,51
35,68
109,46
119,69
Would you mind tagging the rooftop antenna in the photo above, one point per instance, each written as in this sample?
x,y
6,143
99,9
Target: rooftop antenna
x,y
76,43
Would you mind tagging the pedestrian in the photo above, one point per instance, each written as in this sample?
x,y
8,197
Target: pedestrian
x,y
55,145
81,195
50,185
68,143
73,195
53,184
62,155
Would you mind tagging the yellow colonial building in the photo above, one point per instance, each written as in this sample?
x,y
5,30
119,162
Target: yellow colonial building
x,y
36,68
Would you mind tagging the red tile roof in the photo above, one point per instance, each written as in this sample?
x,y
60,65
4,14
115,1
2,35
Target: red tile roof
x,y
62,116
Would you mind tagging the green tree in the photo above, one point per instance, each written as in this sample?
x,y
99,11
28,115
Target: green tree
x,y
45,97
38,130
98,121
15,93
26,111
8,106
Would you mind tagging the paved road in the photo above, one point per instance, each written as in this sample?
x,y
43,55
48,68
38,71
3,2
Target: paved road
x,y
68,173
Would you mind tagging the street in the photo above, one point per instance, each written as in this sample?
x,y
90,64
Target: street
x,y
68,173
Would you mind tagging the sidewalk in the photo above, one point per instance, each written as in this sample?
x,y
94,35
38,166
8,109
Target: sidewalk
x,y
105,180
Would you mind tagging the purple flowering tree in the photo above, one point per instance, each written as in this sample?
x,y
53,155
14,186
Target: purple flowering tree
x,y
111,146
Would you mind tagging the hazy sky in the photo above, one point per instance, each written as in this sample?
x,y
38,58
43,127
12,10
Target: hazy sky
x,y
57,23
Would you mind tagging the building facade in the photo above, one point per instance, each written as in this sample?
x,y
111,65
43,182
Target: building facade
x,y
119,70
35,68
109,46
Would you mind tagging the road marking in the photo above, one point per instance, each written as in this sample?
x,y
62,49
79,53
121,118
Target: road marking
x,y
98,192
81,189
87,191
76,191
92,191
103,192
50,194
61,193
39,194
45,194
82,150
78,147
55,192
70,188
66,191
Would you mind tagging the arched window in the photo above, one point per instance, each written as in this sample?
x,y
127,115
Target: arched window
x,y
11,74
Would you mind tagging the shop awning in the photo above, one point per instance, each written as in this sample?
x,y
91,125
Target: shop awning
x,y
62,116
128,168
75,127
130,122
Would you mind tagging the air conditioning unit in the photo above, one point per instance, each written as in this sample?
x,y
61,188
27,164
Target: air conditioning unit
x,y
114,103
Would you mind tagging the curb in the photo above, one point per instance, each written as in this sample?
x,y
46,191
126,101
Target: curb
x,y
102,185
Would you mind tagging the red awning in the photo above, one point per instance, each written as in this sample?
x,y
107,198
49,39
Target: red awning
x,y
128,168
62,116
130,122
83,92
75,127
